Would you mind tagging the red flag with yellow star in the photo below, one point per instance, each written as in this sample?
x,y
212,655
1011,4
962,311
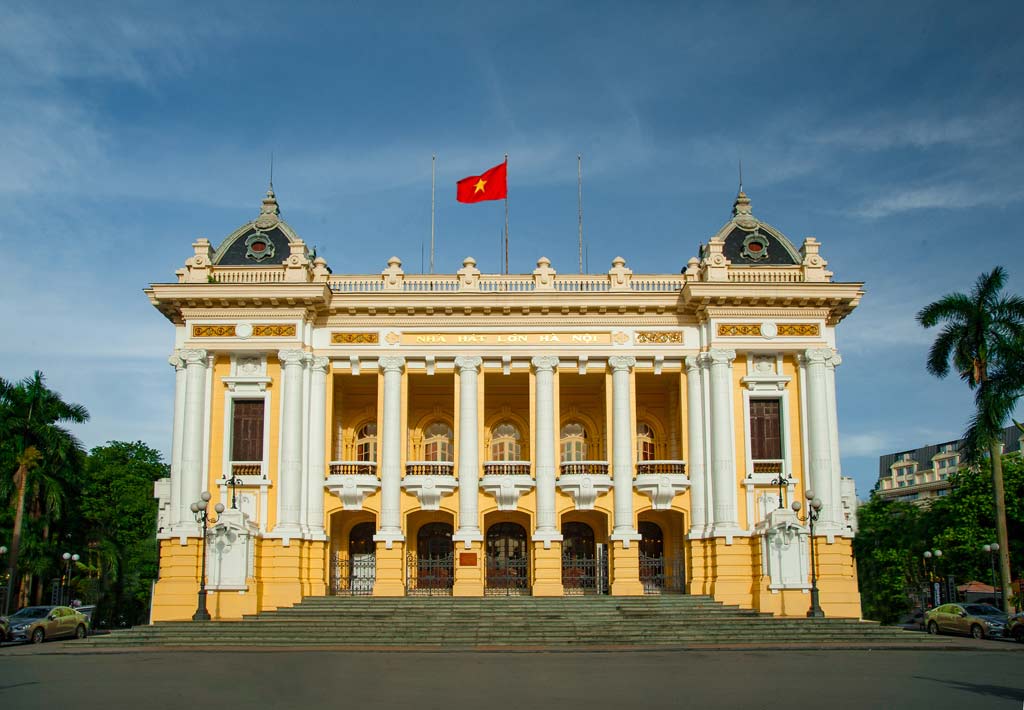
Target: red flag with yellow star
x,y
491,185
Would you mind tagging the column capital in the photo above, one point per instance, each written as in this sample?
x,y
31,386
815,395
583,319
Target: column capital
x,y
195,356
836,359
468,362
320,364
544,363
391,363
818,355
290,358
721,356
621,362
692,362
176,361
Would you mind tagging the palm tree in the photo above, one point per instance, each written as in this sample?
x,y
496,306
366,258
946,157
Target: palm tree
x,y
982,336
30,418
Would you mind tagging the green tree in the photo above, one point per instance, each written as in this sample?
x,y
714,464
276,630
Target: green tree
x,y
120,516
43,452
981,337
890,538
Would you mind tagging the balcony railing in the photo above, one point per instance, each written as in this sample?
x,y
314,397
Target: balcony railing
x,y
429,468
353,468
577,468
247,468
506,468
768,465
661,466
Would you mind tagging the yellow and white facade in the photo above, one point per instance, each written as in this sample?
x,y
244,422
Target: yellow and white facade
x,y
471,434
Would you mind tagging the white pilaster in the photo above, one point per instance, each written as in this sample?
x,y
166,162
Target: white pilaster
x,y
317,446
177,432
468,451
819,437
390,529
544,422
290,478
624,529
192,437
695,457
723,454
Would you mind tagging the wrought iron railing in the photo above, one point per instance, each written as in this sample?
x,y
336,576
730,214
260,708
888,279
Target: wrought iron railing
x,y
659,576
429,468
584,575
768,466
353,575
429,576
506,468
575,468
664,467
246,468
353,468
507,577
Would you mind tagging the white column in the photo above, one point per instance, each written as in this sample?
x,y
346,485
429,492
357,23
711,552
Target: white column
x,y
290,476
177,432
317,446
468,452
624,529
390,529
695,467
723,454
544,459
833,420
819,435
192,436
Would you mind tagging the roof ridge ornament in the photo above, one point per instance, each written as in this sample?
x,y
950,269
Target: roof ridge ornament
x,y
742,213
270,211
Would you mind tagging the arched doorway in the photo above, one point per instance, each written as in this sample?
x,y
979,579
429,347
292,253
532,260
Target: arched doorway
x,y
432,566
584,564
652,557
507,559
353,553
662,556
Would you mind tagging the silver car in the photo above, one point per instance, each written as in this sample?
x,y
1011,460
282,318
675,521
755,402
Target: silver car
x,y
977,620
39,623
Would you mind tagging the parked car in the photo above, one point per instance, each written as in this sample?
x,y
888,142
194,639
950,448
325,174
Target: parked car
x,y
1015,627
977,620
39,623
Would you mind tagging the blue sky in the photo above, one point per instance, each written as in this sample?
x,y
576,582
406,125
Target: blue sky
x,y
892,132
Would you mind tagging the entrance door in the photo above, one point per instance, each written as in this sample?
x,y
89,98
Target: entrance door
x,y
432,568
652,557
584,564
362,555
507,559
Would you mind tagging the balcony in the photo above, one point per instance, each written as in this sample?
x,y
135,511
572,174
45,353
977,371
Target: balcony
x,y
506,481
661,481
584,481
429,481
247,468
352,481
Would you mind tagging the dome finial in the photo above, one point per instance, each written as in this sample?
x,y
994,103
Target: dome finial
x,y
270,211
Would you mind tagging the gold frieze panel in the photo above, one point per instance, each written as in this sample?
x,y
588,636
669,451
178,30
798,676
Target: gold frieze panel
x,y
213,331
800,330
340,338
262,330
506,339
659,337
771,330
739,329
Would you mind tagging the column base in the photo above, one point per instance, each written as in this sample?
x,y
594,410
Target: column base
x,y
625,570
547,567
390,581
469,579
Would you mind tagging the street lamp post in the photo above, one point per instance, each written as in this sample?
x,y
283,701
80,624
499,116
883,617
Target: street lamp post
x,y
782,480
813,510
65,586
992,549
199,509
928,555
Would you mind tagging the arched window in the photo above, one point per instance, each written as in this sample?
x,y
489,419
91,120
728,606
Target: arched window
x,y
437,442
644,442
505,443
366,443
574,442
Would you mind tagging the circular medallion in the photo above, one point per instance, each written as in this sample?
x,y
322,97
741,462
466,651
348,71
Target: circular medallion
x,y
769,329
243,330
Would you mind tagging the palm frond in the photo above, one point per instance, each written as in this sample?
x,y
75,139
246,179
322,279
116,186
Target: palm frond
x,y
956,307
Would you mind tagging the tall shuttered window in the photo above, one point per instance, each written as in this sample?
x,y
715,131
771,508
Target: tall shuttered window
x,y
247,430
765,429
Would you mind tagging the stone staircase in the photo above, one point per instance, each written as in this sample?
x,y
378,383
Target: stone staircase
x,y
444,622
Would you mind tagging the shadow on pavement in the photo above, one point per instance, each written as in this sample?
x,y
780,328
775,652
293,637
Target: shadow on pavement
x,y
997,691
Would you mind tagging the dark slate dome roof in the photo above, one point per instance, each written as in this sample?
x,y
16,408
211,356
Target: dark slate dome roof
x,y
262,242
751,242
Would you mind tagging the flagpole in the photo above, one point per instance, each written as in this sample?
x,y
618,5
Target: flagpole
x,y
506,213
433,175
579,188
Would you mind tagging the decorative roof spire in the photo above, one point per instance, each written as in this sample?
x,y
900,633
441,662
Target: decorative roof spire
x,y
270,211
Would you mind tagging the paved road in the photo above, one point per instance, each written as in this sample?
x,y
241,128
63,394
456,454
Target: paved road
x,y
833,680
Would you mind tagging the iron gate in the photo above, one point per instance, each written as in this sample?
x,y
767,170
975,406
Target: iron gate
x,y
353,575
585,575
430,576
507,576
660,576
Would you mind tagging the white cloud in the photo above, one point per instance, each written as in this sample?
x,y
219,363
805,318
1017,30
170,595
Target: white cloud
x,y
949,196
